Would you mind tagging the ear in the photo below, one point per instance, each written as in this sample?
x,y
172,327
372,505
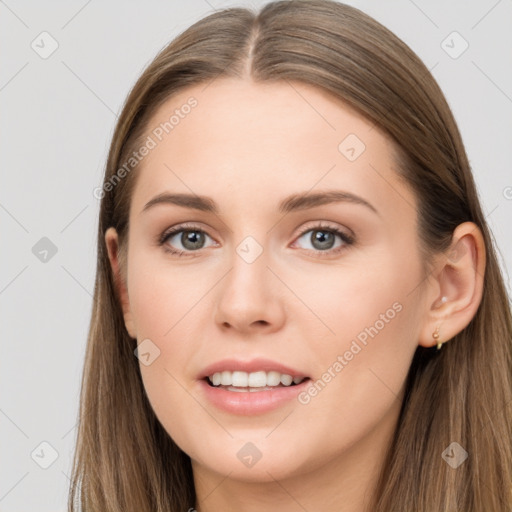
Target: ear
x,y
455,287
112,243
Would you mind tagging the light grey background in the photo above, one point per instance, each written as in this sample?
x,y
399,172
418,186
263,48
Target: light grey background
x,y
57,118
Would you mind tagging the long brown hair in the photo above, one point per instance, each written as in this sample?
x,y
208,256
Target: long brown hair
x,y
124,458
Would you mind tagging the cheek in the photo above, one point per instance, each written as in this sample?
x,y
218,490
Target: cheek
x,y
162,296
362,367
355,300
166,304
369,318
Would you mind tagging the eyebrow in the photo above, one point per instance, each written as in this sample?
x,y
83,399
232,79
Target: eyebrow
x,y
295,202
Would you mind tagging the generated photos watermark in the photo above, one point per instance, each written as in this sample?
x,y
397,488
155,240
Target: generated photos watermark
x,y
356,346
157,135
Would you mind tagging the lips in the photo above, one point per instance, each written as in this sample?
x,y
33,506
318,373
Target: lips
x,y
253,397
249,401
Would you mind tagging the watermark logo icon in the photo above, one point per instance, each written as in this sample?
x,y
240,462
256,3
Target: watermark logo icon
x,y
454,455
454,45
249,249
44,45
249,454
44,250
351,147
147,352
44,455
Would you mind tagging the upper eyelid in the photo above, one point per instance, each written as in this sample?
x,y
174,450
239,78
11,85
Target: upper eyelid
x,y
319,225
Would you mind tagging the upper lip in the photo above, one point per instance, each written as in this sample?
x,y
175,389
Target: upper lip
x,y
253,365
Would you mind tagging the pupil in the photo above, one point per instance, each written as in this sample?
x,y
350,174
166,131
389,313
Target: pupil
x,y
325,242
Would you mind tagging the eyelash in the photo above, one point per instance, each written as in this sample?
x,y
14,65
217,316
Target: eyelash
x,y
348,240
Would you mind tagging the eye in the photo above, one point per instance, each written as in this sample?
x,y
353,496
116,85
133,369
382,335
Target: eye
x,y
322,238
190,238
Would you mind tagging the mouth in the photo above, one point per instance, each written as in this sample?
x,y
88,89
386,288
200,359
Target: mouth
x,y
240,381
251,388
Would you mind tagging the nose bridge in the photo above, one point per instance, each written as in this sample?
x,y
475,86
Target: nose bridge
x,y
249,274
249,294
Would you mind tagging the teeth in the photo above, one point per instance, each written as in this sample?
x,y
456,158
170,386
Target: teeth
x,y
253,380
239,379
273,378
256,380
286,380
225,378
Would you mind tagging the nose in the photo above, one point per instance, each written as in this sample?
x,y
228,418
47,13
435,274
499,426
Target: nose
x,y
250,297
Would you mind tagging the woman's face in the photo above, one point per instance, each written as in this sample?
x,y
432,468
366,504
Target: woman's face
x,y
300,258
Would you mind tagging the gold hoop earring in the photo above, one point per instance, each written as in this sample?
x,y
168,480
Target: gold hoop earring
x,y
435,335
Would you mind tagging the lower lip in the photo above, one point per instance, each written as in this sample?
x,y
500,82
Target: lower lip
x,y
250,402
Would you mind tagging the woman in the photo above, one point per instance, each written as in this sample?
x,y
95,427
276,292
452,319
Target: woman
x,y
298,304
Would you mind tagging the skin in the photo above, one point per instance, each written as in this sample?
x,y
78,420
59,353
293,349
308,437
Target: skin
x,y
247,146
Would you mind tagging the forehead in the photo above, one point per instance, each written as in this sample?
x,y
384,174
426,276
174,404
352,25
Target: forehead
x,y
257,115
275,138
